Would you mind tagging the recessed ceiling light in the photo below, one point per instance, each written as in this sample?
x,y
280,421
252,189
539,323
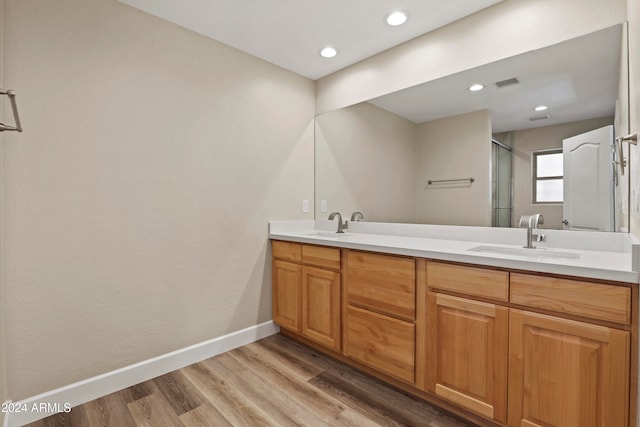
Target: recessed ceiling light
x,y
396,18
476,87
540,108
328,52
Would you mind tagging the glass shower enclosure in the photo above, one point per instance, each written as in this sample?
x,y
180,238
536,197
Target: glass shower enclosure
x,y
501,189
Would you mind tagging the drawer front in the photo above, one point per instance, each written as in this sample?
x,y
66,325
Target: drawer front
x,y
321,256
288,251
594,300
381,342
383,283
468,280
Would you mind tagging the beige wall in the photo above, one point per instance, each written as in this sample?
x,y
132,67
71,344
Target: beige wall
x,y
527,141
634,109
449,148
3,370
365,161
621,127
484,37
136,201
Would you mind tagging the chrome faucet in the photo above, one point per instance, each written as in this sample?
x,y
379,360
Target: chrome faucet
x,y
530,222
357,216
341,226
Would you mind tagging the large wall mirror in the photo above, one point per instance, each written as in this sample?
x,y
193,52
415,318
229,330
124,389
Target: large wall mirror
x,y
440,153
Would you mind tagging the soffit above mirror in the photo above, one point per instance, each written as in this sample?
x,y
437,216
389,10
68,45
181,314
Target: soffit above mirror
x,y
576,79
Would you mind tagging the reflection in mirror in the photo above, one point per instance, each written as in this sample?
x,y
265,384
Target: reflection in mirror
x,y
379,156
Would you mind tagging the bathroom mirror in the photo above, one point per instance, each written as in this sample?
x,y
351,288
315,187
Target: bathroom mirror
x,y
409,156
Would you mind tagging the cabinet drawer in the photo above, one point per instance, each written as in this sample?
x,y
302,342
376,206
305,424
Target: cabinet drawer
x,y
383,283
381,342
286,250
594,300
321,256
481,282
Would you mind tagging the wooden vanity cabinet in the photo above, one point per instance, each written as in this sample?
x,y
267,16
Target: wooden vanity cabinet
x,y
564,371
467,340
515,349
379,328
306,291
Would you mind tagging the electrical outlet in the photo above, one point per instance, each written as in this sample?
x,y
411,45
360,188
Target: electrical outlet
x,y
305,206
323,205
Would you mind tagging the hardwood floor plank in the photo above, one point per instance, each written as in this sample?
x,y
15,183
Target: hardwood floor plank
x,y
76,417
138,391
273,382
153,411
109,411
352,418
228,401
284,410
293,353
181,394
414,411
382,404
204,416
358,402
317,401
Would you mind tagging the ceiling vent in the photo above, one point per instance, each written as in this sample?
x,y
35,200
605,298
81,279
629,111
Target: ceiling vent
x,y
543,117
508,82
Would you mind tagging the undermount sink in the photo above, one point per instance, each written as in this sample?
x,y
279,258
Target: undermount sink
x,y
328,234
529,253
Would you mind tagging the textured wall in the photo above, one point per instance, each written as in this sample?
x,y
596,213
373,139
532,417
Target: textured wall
x,y
451,148
634,109
136,202
3,370
365,161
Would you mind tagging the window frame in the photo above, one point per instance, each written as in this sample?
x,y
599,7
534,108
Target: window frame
x,y
535,178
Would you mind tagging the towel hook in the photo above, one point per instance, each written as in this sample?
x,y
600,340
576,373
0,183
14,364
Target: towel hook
x,y
632,138
12,99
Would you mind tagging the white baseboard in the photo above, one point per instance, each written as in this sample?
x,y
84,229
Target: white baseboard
x,y
101,385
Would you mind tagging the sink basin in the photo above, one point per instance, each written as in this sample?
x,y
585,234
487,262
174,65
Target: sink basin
x,y
524,252
328,234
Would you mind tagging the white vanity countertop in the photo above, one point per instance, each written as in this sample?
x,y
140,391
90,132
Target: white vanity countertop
x,y
613,261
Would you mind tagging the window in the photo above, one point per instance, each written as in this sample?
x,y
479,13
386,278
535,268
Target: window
x,y
547,176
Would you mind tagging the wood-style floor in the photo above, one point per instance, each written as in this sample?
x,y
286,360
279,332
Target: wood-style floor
x,y
272,382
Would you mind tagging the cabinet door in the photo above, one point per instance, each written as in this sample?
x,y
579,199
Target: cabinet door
x,y
566,373
381,342
467,354
287,310
321,306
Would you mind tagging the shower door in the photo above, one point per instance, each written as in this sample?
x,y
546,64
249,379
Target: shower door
x,y
501,204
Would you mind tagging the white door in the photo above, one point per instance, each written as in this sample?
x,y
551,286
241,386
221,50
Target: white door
x,y
588,181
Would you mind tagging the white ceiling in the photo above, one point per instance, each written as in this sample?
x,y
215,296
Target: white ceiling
x,y
576,79
289,33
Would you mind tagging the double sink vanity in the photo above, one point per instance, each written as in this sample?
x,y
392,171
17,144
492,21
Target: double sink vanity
x,y
468,319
